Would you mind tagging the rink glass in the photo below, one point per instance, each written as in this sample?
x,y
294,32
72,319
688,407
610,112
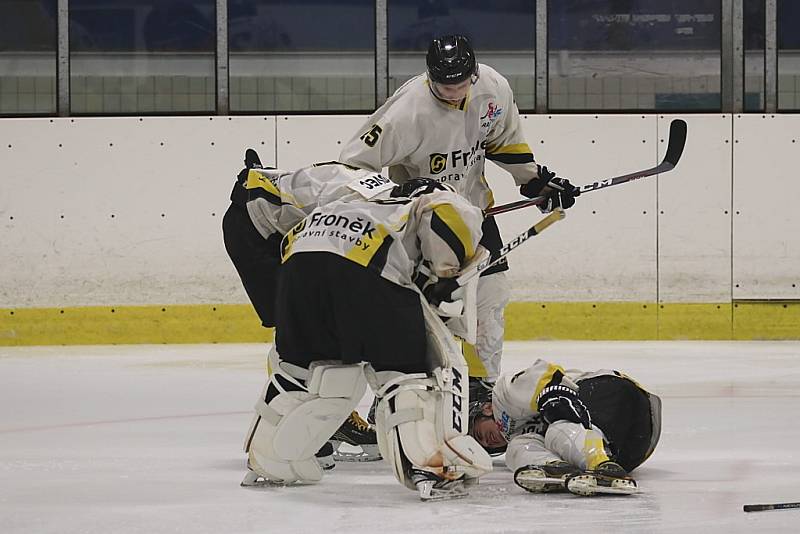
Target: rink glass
x,y
142,56
28,44
301,55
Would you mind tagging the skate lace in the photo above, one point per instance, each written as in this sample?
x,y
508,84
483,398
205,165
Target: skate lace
x,y
358,422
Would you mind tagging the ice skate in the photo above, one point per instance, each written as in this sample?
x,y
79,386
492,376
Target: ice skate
x,y
608,479
548,478
355,441
325,456
433,487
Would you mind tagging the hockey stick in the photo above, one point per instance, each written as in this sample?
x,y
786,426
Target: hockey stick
x,y
554,216
455,308
776,506
677,140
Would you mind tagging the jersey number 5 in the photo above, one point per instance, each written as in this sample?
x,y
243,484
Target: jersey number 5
x,y
371,137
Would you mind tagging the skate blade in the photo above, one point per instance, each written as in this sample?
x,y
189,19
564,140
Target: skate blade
x,y
344,452
536,481
588,485
428,493
327,462
254,480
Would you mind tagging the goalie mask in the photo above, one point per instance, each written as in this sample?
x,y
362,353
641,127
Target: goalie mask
x,y
420,186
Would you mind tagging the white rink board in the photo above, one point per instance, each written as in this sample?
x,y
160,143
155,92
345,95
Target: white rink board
x,y
694,213
605,249
766,194
121,210
306,139
62,247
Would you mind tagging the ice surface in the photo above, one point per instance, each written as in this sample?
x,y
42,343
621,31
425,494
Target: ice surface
x,y
148,439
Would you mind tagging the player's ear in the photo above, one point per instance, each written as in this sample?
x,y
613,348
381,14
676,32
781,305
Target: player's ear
x,y
486,409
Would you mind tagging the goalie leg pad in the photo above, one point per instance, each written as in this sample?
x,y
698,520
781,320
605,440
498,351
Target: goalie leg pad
x,y
421,423
295,419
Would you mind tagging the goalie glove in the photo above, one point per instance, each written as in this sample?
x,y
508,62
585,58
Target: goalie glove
x,y
558,402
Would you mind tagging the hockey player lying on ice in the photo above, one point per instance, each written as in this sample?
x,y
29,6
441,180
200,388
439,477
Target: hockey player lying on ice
x,y
341,261
568,430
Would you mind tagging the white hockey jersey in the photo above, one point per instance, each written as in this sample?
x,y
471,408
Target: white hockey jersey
x,y
417,135
277,200
392,237
514,396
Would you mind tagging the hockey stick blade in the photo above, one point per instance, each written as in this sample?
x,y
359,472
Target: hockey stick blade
x,y
677,140
675,145
765,507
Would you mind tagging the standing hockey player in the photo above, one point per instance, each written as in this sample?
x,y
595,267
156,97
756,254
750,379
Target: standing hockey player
x,y
338,263
569,430
265,204
442,125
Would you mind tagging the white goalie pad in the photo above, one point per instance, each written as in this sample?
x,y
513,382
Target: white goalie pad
x,y
443,350
308,408
422,422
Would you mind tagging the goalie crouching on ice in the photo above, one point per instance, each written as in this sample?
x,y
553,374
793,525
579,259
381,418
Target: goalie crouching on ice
x,y
568,430
349,313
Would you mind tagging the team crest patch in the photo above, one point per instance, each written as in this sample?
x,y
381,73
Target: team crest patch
x,y
438,162
492,112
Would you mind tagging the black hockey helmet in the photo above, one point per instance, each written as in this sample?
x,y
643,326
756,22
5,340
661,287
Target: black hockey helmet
x,y
475,411
450,60
419,186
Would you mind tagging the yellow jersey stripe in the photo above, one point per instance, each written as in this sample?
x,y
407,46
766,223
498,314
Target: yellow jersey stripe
x,y
289,239
519,148
363,251
474,363
545,379
448,214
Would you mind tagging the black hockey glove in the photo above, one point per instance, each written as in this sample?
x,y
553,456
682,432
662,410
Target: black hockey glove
x,y
441,291
561,195
557,402
251,159
534,187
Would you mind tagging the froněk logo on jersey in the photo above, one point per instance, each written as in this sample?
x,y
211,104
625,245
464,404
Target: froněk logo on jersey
x,y
438,162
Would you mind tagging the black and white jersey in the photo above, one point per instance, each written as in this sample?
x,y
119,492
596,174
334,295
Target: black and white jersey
x,y
417,135
391,237
277,200
514,396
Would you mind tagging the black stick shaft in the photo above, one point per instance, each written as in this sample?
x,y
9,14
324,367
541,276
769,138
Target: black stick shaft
x,y
677,141
765,507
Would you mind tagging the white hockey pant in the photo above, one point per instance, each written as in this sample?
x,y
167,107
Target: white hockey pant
x,y
304,408
484,357
528,449
421,421
563,440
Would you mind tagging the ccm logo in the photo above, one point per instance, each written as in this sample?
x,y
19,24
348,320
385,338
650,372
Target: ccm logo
x,y
457,392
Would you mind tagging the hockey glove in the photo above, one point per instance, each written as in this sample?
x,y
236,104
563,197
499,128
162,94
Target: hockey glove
x,y
558,402
534,187
441,291
561,194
